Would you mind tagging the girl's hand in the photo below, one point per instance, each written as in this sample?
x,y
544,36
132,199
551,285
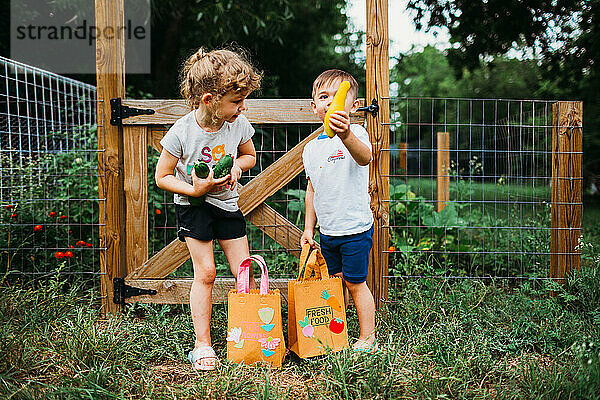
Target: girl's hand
x,y
203,186
236,174
339,122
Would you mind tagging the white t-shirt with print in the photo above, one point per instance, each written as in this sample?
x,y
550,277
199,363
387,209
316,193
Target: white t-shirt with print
x,y
187,141
341,200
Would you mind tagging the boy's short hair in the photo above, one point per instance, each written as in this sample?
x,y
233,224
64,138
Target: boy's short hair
x,y
332,75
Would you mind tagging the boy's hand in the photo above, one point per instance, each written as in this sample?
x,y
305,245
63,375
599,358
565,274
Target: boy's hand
x,y
307,237
203,186
339,122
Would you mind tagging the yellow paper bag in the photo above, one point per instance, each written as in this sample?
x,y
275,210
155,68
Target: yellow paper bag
x,y
254,329
316,309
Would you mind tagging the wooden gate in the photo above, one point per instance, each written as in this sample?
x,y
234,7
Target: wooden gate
x,y
144,131
123,170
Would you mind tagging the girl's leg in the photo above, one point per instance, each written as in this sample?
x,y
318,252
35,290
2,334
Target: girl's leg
x,y
365,309
236,250
201,292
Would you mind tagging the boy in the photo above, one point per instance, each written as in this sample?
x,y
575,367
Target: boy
x,y
337,196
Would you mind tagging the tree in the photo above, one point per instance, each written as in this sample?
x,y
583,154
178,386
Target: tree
x,y
563,36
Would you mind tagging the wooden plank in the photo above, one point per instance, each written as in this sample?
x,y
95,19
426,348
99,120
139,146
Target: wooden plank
x,y
110,83
443,172
161,264
277,227
259,111
378,87
275,176
566,210
177,291
135,144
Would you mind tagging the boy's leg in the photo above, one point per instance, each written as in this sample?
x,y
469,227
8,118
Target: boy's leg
x,y
365,309
201,253
236,250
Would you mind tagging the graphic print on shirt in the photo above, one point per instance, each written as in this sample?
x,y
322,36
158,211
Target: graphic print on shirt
x,y
208,155
337,155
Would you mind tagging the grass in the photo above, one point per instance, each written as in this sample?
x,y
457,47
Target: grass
x,y
462,340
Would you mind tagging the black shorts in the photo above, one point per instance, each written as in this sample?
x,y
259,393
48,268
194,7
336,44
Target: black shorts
x,y
207,222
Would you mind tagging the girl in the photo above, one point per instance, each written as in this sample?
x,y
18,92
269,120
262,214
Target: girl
x,y
215,85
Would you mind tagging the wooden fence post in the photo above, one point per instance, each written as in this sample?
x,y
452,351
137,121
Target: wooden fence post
x,y
567,135
110,83
378,77
402,160
443,165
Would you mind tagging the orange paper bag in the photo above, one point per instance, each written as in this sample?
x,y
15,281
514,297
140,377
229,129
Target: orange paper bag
x,y
254,331
316,311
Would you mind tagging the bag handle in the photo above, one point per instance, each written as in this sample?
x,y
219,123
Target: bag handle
x,y
311,260
243,279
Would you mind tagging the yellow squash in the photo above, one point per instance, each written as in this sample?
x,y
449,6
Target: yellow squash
x,y
338,104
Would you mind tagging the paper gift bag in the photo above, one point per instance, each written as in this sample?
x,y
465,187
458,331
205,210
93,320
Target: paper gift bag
x,y
254,331
316,310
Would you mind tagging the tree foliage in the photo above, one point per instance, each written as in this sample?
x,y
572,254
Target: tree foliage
x,y
292,41
563,36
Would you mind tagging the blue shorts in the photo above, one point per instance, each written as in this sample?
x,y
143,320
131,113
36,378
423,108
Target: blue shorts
x,y
348,255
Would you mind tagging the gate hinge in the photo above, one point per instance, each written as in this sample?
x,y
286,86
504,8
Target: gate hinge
x,y
118,112
372,108
123,291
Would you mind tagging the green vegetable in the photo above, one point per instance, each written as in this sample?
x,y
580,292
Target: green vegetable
x,y
202,171
223,167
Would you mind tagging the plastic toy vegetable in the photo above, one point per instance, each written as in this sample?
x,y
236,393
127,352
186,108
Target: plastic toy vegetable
x,y
338,104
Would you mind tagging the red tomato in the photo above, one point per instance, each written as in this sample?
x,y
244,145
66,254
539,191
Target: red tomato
x,y
336,325
392,249
68,254
58,255
158,212
37,228
80,243
52,214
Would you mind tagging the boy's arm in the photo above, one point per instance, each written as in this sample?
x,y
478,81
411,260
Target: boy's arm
x,y
340,124
310,217
165,179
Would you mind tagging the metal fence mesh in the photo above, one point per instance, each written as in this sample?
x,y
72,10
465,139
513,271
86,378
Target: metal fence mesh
x,y
495,221
48,173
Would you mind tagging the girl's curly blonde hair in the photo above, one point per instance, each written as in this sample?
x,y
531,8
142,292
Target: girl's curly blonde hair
x,y
217,72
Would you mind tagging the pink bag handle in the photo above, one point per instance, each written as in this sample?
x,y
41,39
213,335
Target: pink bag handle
x,y
243,279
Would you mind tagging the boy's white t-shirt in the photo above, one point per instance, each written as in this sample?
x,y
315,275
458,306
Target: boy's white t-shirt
x,y
341,199
187,141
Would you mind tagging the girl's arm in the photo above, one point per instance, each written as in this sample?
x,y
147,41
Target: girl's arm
x,y
310,217
245,160
165,179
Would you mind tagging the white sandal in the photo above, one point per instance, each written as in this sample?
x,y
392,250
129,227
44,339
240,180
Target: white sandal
x,y
203,358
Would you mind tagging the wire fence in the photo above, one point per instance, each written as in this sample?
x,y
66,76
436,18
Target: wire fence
x,y
48,173
470,188
470,184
